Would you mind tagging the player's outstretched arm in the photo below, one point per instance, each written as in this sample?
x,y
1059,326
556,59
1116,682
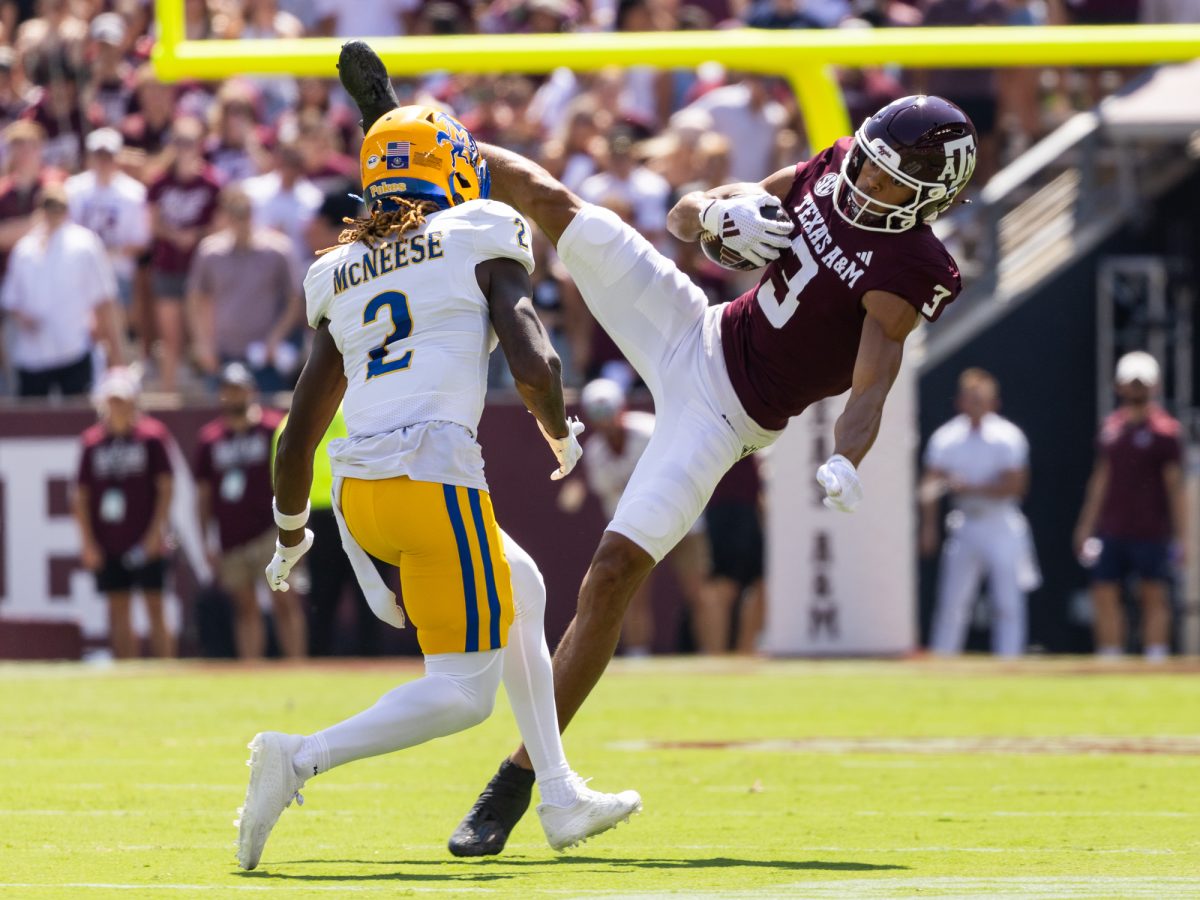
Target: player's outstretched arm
x,y
314,404
531,191
531,358
888,322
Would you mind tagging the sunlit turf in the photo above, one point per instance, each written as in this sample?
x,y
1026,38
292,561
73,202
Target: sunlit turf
x,y
124,782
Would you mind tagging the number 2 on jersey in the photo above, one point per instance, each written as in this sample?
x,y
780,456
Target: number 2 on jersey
x,y
402,326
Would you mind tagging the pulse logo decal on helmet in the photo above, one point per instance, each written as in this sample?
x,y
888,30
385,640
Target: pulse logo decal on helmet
x,y
398,153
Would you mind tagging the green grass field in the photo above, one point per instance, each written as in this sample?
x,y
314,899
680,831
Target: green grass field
x,y
860,780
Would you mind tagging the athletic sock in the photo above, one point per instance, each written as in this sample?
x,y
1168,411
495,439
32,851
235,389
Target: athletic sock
x,y
313,756
562,790
528,673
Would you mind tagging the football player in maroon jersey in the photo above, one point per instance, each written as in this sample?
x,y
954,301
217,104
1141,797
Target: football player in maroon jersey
x,y
849,275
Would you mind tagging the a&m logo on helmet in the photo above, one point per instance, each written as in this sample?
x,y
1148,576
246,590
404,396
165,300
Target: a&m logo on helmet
x,y
960,161
427,155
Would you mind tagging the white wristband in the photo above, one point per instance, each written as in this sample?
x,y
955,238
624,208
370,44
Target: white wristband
x,y
293,521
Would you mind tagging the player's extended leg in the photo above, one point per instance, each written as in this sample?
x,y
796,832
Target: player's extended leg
x,y
666,494
457,692
570,812
365,79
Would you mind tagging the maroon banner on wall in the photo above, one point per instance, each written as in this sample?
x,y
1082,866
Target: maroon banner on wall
x,y
41,580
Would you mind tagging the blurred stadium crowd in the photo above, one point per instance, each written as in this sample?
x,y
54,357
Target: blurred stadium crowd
x,y
209,199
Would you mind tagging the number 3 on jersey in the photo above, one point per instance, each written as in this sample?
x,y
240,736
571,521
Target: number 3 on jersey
x,y
402,326
791,278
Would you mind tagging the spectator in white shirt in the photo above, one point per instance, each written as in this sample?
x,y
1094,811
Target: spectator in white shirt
x,y
982,461
626,180
344,19
58,289
752,123
113,205
285,200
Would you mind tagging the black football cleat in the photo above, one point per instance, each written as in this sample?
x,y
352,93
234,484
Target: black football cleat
x,y
365,78
485,829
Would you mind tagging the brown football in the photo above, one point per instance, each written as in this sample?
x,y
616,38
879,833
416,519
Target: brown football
x,y
714,248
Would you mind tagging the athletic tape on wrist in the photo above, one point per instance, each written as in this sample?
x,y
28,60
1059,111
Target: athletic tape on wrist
x,y
292,521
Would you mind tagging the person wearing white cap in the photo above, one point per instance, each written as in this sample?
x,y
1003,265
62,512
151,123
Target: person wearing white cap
x,y
122,500
113,205
1133,520
981,460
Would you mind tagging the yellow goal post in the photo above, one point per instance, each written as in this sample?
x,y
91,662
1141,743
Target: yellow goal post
x,y
804,57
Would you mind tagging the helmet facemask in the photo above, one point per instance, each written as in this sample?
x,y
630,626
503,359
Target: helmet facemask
x,y
929,198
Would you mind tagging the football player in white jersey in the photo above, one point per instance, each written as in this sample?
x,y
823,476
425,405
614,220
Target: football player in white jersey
x,y
406,310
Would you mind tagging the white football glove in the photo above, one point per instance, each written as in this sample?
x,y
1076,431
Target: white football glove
x,y
285,557
843,490
567,450
742,227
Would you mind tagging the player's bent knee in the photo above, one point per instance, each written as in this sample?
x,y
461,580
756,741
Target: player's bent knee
x,y
477,702
529,588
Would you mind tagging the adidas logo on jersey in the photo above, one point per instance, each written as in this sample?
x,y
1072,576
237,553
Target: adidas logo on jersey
x,y
865,256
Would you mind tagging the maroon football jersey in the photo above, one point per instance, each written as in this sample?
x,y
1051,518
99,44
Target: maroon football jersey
x,y
793,339
1136,506
181,204
237,468
121,473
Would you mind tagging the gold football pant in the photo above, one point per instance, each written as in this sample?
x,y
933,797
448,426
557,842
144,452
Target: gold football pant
x,y
454,577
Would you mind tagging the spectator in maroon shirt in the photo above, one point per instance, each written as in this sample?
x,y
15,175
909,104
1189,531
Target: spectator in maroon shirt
x,y
122,498
109,86
56,107
183,202
147,127
234,496
1135,508
21,185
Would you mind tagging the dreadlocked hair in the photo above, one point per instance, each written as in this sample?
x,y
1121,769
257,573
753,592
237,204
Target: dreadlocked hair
x,y
381,224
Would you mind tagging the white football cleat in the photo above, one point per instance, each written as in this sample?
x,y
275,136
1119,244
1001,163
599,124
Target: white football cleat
x,y
273,786
591,814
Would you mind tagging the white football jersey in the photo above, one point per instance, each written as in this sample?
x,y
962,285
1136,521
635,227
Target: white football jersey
x,y
413,329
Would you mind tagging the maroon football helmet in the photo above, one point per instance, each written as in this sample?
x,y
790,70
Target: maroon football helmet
x,y
925,143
